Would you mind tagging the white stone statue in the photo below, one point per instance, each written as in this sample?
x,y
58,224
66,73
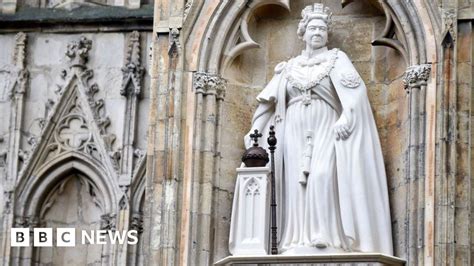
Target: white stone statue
x,y
330,176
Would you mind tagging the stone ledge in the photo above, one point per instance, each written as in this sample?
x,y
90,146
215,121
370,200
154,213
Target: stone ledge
x,y
86,15
378,258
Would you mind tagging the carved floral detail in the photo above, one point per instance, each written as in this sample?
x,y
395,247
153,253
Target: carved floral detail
x,y
417,76
26,221
108,222
78,52
350,80
209,84
137,223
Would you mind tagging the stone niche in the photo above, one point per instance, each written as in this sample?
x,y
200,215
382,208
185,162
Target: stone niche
x,y
353,29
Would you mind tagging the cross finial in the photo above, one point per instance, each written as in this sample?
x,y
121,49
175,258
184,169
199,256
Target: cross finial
x,y
255,135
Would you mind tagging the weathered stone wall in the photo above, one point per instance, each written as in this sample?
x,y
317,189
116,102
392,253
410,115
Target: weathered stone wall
x,y
115,110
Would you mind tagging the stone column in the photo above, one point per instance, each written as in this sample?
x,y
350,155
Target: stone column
x,y
415,81
131,89
209,89
163,178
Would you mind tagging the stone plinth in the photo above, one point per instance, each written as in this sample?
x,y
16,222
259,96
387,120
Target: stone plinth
x,y
343,258
250,212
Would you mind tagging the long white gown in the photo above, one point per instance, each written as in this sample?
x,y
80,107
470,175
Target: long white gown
x,y
312,209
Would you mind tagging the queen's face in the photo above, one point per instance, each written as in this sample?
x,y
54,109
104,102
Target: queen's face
x,y
316,34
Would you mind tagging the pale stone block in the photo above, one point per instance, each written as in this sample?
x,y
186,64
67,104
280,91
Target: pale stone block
x,y
396,65
108,50
53,45
250,212
223,200
6,52
5,85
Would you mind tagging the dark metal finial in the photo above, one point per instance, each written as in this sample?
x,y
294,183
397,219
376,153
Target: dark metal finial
x,y
255,135
272,141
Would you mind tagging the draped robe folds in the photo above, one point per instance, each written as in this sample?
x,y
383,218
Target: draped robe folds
x,y
361,204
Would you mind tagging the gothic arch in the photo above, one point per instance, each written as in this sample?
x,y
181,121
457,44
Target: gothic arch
x,y
37,186
412,21
410,29
32,194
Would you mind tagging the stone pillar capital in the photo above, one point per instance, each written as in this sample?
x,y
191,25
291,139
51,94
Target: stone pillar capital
x,y
209,84
416,76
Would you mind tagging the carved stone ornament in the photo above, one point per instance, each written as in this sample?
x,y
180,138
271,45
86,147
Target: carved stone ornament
x,y
108,222
417,76
450,18
78,52
174,41
137,223
132,71
77,119
26,221
350,79
207,84
22,74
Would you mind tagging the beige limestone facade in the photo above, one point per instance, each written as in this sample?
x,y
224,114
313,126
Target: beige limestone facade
x,y
121,115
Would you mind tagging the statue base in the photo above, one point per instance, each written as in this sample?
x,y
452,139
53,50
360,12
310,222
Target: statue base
x,y
339,258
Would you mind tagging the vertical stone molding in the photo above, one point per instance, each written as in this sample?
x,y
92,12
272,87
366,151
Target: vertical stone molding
x,y
17,92
209,90
416,76
131,88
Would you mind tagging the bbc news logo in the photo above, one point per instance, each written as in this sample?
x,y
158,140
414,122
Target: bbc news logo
x,y
66,237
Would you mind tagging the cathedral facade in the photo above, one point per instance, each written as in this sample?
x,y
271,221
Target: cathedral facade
x,y
131,115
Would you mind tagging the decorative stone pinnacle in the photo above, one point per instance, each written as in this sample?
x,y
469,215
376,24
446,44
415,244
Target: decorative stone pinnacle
x,y
20,50
417,76
132,70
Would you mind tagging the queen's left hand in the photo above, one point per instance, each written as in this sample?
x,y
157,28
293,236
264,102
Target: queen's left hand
x,y
344,126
